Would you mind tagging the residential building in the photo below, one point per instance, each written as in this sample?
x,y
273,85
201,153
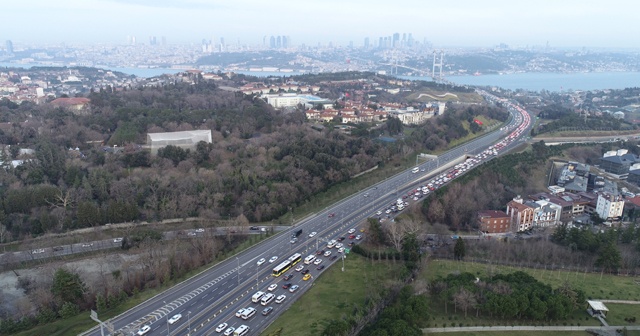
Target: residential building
x,y
634,175
521,215
618,162
76,105
545,213
411,116
609,206
492,221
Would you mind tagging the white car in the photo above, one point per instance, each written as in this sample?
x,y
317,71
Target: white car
x,y
294,288
274,258
117,240
340,250
87,244
328,253
145,329
351,231
261,261
200,230
239,312
175,318
229,331
299,268
221,327
312,234
379,213
272,287
317,261
358,237
339,245
36,251
281,298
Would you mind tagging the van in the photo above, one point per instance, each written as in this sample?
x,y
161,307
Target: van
x,y
415,170
267,299
242,330
248,313
309,259
331,244
256,297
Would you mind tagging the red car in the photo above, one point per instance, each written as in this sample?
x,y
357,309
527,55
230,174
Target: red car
x,y
352,237
320,252
331,215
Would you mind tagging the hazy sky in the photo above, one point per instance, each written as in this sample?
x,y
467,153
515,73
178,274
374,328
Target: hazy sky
x,y
571,23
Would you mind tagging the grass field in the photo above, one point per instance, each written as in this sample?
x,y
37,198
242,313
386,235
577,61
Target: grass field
x,y
612,287
333,295
516,333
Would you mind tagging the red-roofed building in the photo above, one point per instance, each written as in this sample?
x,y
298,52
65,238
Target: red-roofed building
x,y
492,221
76,105
521,215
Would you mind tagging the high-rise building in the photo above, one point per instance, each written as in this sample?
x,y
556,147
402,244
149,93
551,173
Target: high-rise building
x,y
285,41
366,42
396,40
272,42
380,43
9,47
222,42
279,42
164,40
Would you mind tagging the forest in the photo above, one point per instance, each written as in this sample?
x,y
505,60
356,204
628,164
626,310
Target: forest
x,y
92,169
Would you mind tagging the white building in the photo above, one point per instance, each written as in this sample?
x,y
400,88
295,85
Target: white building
x,y
545,213
184,139
609,206
410,116
292,100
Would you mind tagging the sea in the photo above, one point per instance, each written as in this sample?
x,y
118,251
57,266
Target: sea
x,y
531,81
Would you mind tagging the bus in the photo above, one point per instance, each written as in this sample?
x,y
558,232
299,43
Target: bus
x,y
242,330
283,267
294,259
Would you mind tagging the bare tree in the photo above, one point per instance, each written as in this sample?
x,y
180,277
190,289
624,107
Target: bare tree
x,y
465,299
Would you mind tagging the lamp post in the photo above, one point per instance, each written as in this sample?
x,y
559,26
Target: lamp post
x,y
189,318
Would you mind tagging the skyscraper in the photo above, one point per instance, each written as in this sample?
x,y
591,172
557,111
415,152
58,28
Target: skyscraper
x,y
396,40
9,47
279,42
272,42
366,42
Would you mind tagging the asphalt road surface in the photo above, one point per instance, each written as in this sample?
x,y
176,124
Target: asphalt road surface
x,y
215,295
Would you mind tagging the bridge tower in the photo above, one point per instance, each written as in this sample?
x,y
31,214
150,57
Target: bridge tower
x,y
437,63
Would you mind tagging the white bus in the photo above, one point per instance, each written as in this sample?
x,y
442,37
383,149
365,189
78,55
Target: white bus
x,y
248,312
256,297
267,299
309,259
242,330
415,170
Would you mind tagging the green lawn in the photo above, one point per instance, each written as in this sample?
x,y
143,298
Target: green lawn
x,y
609,286
333,295
515,333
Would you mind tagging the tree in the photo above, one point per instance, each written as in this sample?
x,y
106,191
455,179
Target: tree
x,y
173,153
465,299
459,251
67,286
609,258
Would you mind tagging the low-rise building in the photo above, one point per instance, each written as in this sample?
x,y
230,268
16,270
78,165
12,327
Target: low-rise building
x,y
609,206
618,162
492,222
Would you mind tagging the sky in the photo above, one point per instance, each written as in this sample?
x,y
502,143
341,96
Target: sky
x,y
465,23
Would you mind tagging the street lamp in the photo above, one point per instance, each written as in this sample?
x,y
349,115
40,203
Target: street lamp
x,y
189,318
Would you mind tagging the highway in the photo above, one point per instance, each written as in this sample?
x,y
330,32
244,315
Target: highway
x,y
215,295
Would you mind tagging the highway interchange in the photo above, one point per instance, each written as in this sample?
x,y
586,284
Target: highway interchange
x,y
215,295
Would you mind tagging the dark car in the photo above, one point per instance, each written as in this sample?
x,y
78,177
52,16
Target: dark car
x,y
341,239
267,311
320,268
320,252
286,285
58,248
332,215
288,276
254,228
334,258
305,271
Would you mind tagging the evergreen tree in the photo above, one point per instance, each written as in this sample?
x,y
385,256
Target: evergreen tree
x,y
459,251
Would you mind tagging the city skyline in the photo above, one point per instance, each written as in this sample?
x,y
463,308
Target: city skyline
x,y
463,23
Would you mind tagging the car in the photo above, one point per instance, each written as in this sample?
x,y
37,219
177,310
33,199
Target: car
x,y
117,240
293,288
274,258
350,244
267,311
299,268
293,240
352,236
339,245
58,248
272,287
351,231
305,271
319,252
143,330
229,331
341,238
261,261
286,285
317,261
358,237
221,327
87,244
340,250
334,258
331,215
281,298
239,312
312,234
362,230
328,253
191,234
366,195
320,268
254,228
306,277
175,318
200,230
388,211
378,213
36,251
288,276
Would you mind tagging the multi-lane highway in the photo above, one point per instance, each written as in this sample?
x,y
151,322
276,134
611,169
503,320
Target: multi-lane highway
x,y
214,296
